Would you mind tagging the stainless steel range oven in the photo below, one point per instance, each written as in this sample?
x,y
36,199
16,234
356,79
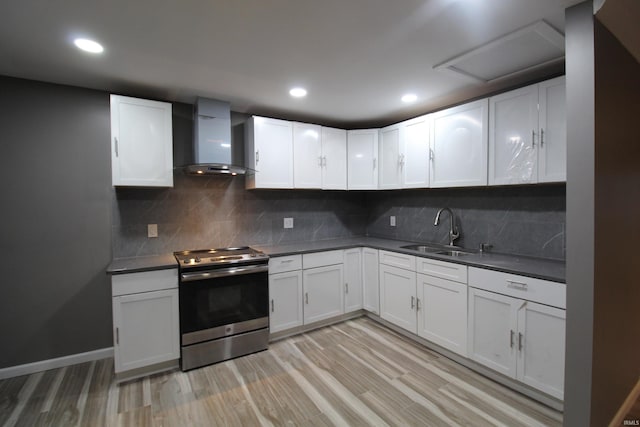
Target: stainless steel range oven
x,y
224,304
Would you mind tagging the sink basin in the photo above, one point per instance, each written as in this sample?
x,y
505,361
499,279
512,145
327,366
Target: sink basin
x,y
422,248
453,253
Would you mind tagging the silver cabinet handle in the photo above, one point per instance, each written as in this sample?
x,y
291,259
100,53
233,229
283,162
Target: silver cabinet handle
x,y
320,161
374,162
511,338
518,285
118,336
533,138
431,155
412,303
324,161
346,288
116,146
541,137
418,304
520,336
306,297
257,157
272,308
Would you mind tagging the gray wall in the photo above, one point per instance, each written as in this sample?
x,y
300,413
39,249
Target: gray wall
x,y
603,207
526,220
54,224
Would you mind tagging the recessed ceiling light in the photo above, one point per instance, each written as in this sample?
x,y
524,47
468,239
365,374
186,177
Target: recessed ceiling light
x,y
298,92
409,98
88,45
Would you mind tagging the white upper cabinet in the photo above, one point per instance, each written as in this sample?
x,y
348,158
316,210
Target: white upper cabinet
x,y
389,174
141,142
459,145
404,155
552,156
334,158
527,138
362,159
307,156
269,150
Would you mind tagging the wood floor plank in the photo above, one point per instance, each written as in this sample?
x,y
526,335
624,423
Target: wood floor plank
x,y
354,373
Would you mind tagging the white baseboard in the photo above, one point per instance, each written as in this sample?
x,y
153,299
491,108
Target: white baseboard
x,y
45,365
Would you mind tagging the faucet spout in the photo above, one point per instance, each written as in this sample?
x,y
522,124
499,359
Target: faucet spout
x,y
453,230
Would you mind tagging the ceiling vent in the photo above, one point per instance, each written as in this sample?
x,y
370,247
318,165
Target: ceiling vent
x,y
534,46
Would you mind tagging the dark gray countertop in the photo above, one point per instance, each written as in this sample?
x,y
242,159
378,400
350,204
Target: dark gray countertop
x,y
538,268
143,263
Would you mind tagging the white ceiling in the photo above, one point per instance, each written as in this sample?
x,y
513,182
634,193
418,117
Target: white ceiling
x,y
355,57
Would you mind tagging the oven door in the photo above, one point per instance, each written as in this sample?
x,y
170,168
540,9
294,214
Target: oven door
x,y
222,302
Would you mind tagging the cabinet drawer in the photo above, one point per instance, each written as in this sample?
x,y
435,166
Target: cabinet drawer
x,y
319,259
144,281
395,259
526,288
442,269
285,263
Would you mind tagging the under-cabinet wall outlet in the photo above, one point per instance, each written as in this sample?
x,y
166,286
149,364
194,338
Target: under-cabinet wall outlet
x,y
288,223
152,230
392,220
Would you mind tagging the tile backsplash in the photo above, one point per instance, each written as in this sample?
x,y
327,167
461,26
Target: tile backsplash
x,y
527,220
216,211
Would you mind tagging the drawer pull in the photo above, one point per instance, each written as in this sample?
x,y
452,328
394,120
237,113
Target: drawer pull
x,y
517,285
511,338
272,306
520,336
286,261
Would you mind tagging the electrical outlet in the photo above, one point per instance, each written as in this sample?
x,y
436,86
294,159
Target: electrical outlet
x,y
152,230
392,220
288,223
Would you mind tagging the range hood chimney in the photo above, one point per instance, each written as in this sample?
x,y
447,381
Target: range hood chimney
x,y
212,146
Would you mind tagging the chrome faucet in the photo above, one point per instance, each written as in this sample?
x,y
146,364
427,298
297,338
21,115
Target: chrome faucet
x,y
453,231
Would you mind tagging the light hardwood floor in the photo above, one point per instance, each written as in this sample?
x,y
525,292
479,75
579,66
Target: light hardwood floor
x,y
356,373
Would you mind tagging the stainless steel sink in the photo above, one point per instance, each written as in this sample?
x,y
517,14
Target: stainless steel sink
x,y
453,253
422,248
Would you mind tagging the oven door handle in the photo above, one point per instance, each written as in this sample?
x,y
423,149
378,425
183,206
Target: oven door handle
x,y
225,272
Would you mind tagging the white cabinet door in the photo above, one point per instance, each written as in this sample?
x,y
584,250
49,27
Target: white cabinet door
x,y
541,348
398,297
442,313
323,293
146,329
334,159
370,281
269,150
415,153
362,162
307,156
141,142
285,299
552,153
513,135
459,146
389,173
352,280
493,331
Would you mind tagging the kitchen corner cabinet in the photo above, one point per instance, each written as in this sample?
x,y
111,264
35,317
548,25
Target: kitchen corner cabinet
x,y
320,157
145,319
459,145
269,152
141,142
362,159
527,138
352,279
404,155
370,280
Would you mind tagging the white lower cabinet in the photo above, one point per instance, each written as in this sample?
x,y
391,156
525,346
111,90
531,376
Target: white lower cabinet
x,y
352,280
285,299
442,312
518,338
323,293
145,319
398,297
370,280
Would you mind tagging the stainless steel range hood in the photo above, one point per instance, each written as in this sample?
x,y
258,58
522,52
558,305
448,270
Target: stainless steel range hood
x,y
212,145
